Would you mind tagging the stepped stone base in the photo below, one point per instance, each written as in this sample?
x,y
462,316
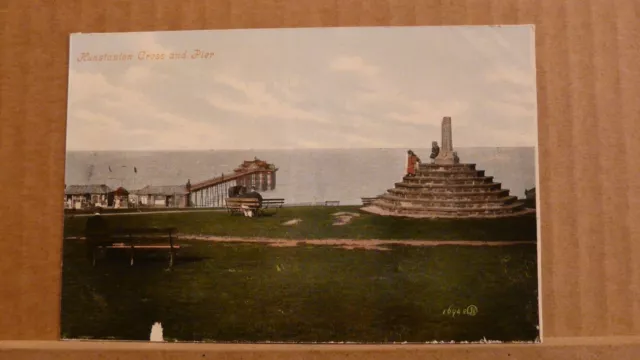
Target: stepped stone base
x,y
452,191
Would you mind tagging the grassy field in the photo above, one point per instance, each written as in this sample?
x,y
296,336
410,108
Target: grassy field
x,y
317,224
251,292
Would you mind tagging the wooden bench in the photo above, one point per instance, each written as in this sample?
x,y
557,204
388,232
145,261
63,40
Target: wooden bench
x,y
237,205
332,203
368,200
272,203
135,238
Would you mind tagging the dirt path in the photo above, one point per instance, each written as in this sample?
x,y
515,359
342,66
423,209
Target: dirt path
x,y
370,244
133,213
350,243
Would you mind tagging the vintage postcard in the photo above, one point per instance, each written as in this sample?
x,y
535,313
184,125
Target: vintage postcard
x,y
313,185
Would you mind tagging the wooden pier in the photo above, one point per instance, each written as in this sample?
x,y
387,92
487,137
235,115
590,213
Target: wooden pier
x,y
256,174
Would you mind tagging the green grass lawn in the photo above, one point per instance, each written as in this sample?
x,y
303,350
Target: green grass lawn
x,y
251,292
317,224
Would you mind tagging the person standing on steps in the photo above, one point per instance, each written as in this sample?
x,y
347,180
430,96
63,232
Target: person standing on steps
x,y
413,161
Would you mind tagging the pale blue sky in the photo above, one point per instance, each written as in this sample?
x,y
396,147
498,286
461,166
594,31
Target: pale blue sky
x,y
305,88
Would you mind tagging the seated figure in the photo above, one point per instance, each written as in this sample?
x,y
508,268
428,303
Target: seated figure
x,y
530,193
435,151
255,195
237,190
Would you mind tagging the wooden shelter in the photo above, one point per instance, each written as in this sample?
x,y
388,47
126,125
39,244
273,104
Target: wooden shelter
x,y
170,196
84,196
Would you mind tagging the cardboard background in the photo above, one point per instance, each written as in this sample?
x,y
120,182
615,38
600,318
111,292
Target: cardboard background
x,y
588,76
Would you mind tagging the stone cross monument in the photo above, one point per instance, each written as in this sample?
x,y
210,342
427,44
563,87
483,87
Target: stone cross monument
x,y
446,155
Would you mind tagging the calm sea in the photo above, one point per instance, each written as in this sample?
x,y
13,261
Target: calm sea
x,y
343,175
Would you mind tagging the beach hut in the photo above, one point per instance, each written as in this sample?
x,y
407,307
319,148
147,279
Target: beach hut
x,y
120,198
170,196
84,196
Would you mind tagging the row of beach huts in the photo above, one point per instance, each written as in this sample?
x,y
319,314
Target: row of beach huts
x,y
89,196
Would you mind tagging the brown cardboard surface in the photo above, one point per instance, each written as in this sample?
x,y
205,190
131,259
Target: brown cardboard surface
x,y
588,86
560,348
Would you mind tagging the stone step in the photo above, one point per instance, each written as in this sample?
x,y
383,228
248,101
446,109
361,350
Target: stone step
x,y
429,180
412,193
463,202
458,211
453,174
391,201
433,214
451,187
441,176
447,167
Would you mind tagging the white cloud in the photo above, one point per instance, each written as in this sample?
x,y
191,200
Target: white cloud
x,y
516,103
89,128
527,98
512,110
356,141
137,74
522,136
89,86
418,113
96,119
401,107
519,103
353,64
309,144
83,86
260,101
290,89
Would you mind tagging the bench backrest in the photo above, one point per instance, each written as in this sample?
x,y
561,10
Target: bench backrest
x,y
242,201
143,231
